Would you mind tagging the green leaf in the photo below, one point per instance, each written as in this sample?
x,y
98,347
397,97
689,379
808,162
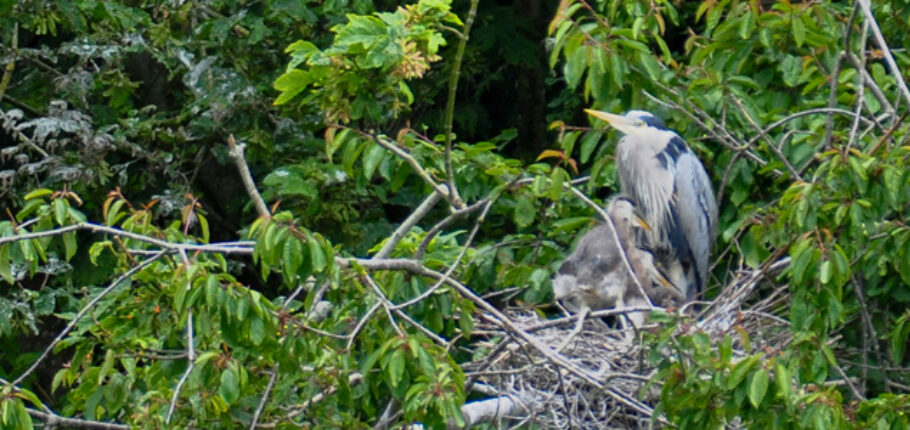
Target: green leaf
x,y
371,158
60,206
230,387
69,245
825,272
396,367
41,192
290,84
524,211
558,179
575,66
257,330
5,269
799,30
317,258
782,379
790,68
758,387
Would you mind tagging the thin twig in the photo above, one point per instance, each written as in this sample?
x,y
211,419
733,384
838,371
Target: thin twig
x,y
82,312
236,153
450,103
886,51
52,420
409,223
191,364
265,396
244,248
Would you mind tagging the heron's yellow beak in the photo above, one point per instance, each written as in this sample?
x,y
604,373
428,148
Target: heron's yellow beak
x,y
642,223
618,122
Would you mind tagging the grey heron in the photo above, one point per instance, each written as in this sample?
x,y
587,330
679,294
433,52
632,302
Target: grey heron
x,y
595,276
670,187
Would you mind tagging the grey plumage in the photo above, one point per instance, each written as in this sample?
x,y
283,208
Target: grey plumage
x,y
595,276
670,187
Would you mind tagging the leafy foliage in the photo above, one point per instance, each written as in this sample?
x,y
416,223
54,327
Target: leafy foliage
x,y
791,106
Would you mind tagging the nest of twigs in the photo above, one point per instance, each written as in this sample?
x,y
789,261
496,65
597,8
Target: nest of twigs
x,y
575,372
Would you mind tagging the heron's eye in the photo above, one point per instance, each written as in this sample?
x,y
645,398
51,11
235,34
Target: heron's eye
x,y
639,123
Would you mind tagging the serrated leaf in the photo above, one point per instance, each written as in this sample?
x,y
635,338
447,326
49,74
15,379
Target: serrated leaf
x,y
290,84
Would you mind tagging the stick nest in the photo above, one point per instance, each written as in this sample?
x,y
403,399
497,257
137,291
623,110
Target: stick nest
x,y
595,375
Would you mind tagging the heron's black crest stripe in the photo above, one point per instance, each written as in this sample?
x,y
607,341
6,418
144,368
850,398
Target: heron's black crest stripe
x,y
655,122
675,147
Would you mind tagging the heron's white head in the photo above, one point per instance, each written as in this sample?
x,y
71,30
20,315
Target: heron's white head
x,y
634,122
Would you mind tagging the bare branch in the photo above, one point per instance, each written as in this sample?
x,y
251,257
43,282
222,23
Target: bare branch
x,y
191,364
243,247
236,153
450,102
52,420
886,51
265,396
408,223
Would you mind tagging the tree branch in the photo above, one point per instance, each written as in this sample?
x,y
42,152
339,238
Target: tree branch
x,y
236,153
450,103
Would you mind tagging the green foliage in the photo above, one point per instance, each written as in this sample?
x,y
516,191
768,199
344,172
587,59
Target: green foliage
x,y
362,74
144,93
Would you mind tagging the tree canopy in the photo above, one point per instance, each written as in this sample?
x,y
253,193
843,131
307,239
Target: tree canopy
x,y
347,213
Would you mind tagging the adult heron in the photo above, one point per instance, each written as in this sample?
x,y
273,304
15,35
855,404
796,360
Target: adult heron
x,y
670,187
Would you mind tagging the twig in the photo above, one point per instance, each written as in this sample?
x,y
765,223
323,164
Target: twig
x,y
407,157
451,269
236,152
771,143
11,66
82,312
353,379
265,396
832,99
52,420
458,214
503,321
191,364
244,248
360,324
390,307
886,51
860,99
408,223
450,103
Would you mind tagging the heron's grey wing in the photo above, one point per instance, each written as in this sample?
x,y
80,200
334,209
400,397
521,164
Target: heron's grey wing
x,y
696,210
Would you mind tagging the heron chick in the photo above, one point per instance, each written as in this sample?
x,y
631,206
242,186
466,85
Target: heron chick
x,y
595,276
669,186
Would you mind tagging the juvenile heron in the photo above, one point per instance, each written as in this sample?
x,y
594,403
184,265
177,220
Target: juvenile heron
x,y
670,187
595,276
